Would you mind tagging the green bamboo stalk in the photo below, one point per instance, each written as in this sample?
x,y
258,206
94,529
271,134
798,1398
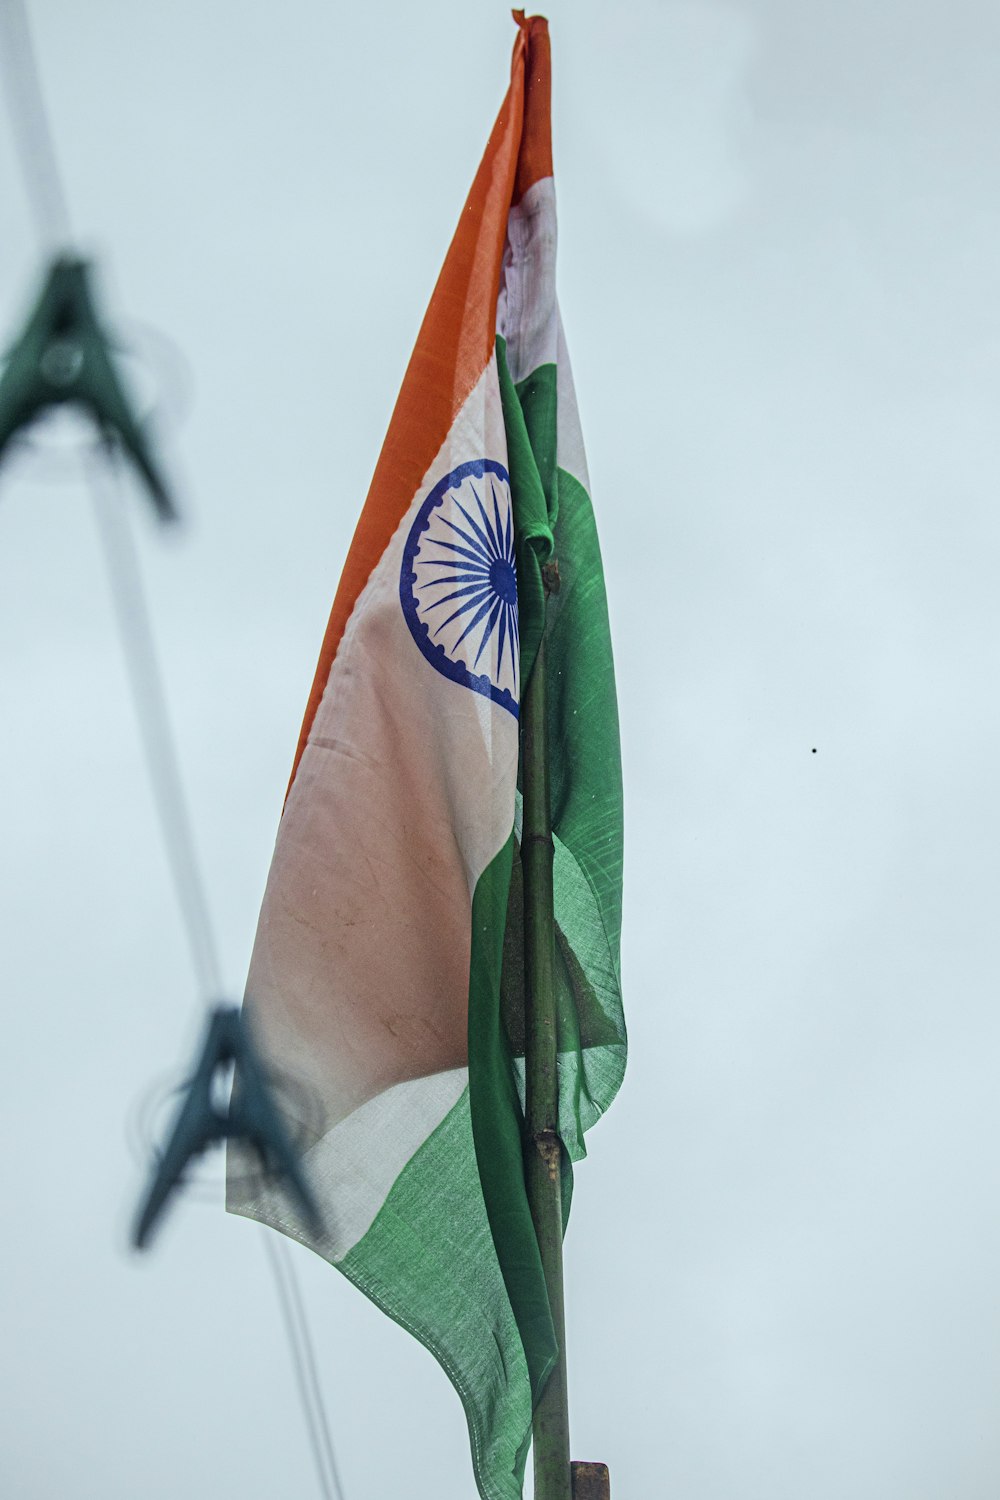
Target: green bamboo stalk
x,y
550,1423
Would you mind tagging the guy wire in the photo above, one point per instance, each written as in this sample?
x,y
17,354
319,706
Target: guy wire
x,y
148,696
43,182
146,682
22,85
304,1362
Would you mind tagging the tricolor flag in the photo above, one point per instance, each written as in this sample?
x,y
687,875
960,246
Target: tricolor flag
x,y
386,981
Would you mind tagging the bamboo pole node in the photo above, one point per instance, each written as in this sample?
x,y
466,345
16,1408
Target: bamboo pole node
x,y
547,1144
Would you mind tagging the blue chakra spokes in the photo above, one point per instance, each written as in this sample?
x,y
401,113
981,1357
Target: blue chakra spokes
x,y
458,584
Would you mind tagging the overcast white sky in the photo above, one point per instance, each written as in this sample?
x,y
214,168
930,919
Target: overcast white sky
x,y
779,246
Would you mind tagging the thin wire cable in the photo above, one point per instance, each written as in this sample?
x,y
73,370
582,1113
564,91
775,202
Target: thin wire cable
x,y
304,1362
30,123
309,1357
43,182
146,682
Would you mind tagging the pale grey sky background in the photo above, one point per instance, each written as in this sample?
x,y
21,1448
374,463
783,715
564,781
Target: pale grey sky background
x,y
778,263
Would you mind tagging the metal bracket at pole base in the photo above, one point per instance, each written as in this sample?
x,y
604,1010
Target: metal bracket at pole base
x,y
590,1481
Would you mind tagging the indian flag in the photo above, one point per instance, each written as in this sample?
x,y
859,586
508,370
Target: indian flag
x,y
386,983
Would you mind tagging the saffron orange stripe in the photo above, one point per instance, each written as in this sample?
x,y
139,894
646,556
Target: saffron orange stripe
x,y
457,336
535,156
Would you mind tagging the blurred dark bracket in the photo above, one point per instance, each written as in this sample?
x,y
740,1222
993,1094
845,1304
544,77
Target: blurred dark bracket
x,y
63,357
200,1122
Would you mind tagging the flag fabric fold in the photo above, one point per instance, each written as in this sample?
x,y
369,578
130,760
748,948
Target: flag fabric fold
x,y
386,982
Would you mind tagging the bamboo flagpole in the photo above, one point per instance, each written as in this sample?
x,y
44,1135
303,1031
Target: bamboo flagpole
x,y
550,1424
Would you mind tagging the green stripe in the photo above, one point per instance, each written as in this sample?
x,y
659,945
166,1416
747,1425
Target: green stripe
x,y
587,813
498,1120
428,1262
554,516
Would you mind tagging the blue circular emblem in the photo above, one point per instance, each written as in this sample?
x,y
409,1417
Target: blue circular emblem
x,y
458,585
